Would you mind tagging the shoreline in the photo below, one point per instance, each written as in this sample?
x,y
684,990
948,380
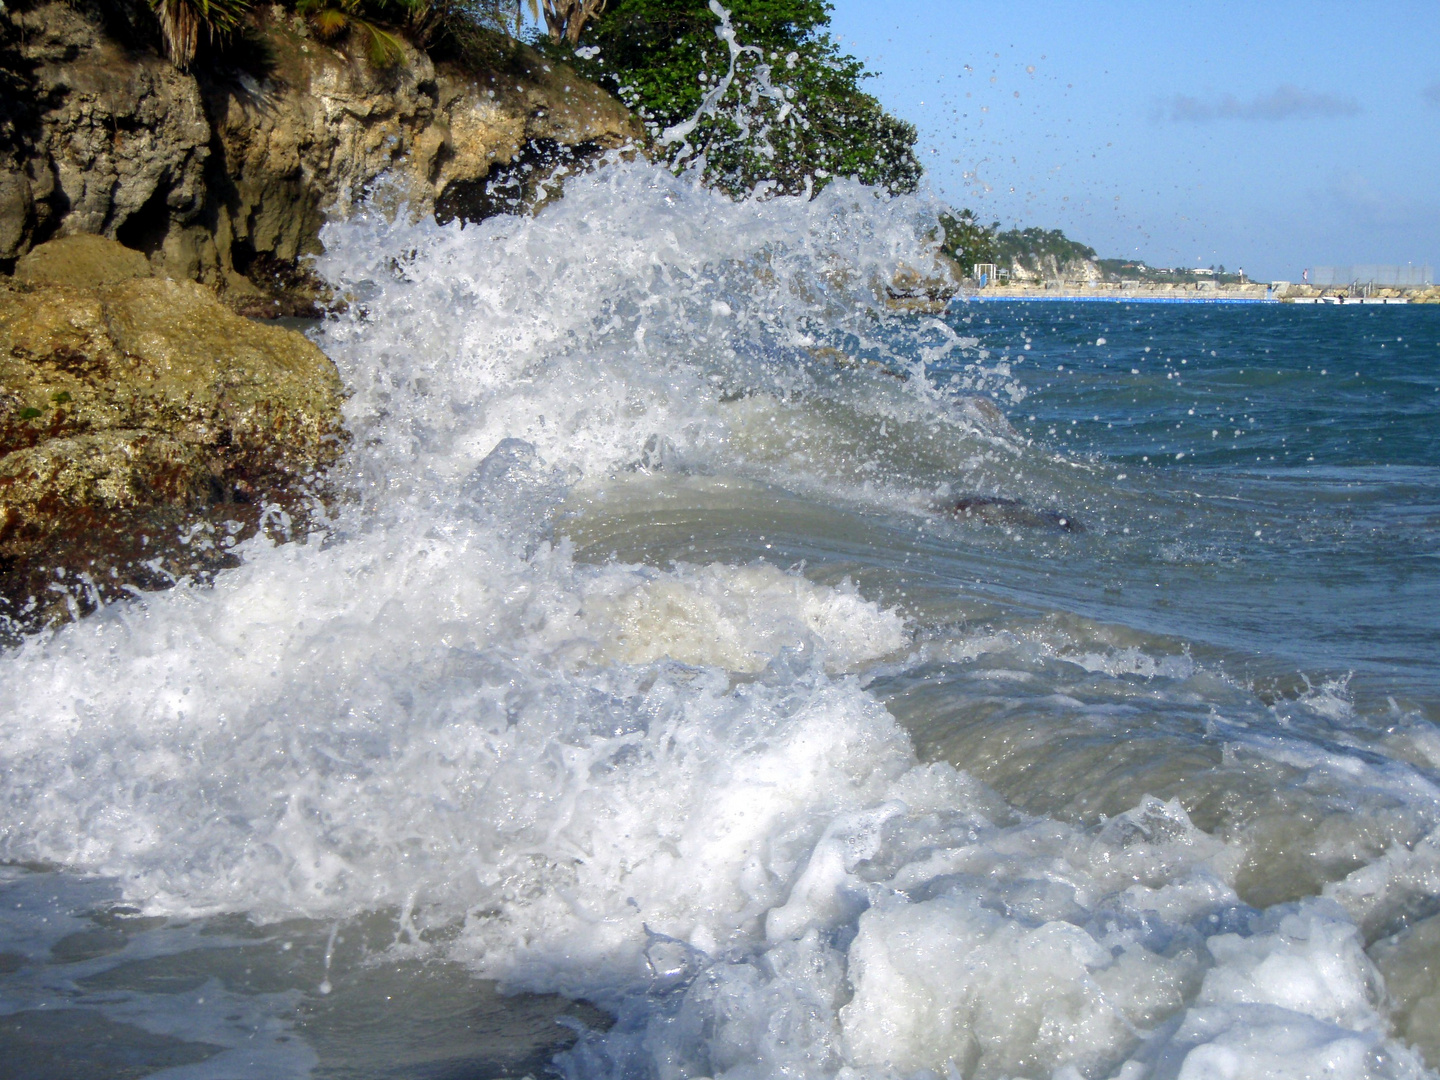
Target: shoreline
x,y
1109,298
1275,292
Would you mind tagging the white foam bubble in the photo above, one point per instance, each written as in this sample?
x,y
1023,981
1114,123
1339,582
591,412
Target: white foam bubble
x,y
738,618
1294,997
947,981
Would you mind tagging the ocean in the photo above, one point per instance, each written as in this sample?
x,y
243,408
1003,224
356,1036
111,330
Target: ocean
x,y
702,669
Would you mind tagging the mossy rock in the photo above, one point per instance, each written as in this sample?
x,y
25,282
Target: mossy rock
x,y
83,261
141,399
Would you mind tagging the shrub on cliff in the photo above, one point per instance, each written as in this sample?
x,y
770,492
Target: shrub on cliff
x,y
448,26
565,20
182,23
783,104
966,240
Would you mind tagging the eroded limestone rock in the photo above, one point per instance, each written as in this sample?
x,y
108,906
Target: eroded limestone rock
x,y
112,139
225,175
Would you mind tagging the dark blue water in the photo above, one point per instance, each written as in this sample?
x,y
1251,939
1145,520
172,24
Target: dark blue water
x,y
1240,387
1266,480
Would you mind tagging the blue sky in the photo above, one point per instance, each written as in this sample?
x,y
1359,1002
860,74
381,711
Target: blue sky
x,y
1272,136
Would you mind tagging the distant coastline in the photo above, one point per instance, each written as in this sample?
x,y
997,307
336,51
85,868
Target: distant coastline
x,y
1285,292
925,297
1040,264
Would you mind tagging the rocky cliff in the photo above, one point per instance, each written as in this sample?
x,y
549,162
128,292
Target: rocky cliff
x,y
1042,268
225,175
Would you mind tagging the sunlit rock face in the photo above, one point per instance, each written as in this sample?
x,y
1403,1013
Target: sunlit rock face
x,y
128,401
225,174
98,134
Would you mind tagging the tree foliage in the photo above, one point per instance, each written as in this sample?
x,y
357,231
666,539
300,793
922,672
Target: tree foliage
x,y
793,115
183,22
1029,247
332,20
565,19
966,240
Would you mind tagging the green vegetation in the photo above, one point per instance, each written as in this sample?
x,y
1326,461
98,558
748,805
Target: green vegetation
x,y
793,115
1134,270
455,26
773,107
565,19
1033,246
966,240
181,23
332,20
1037,250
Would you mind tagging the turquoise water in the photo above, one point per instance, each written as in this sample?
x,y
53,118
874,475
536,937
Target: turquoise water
x,y
708,671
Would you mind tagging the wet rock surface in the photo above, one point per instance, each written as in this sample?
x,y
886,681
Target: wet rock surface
x,y
132,407
83,261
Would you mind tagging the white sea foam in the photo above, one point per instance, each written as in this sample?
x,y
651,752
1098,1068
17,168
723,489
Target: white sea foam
x,y
663,787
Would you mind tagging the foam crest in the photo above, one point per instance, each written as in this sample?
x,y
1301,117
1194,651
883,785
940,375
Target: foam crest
x,y
1029,949
947,983
1294,997
738,618
329,730
641,312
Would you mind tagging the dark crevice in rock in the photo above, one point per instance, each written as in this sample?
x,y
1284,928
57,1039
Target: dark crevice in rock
x,y
146,229
129,23
534,177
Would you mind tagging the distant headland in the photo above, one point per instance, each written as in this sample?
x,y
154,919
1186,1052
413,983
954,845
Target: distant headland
x,y
1041,264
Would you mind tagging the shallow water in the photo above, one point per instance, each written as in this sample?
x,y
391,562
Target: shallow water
x,y
710,672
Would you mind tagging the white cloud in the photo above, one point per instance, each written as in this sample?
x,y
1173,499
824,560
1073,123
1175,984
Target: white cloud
x,y
1285,102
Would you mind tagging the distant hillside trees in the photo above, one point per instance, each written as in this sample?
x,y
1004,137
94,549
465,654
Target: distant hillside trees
x,y
1033,247
1032,252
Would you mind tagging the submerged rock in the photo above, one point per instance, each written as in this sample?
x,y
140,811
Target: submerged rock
x,y
130,404
1010,513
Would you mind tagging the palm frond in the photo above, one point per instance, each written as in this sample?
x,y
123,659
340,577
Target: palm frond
x,y
181,22
329,23
384,49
